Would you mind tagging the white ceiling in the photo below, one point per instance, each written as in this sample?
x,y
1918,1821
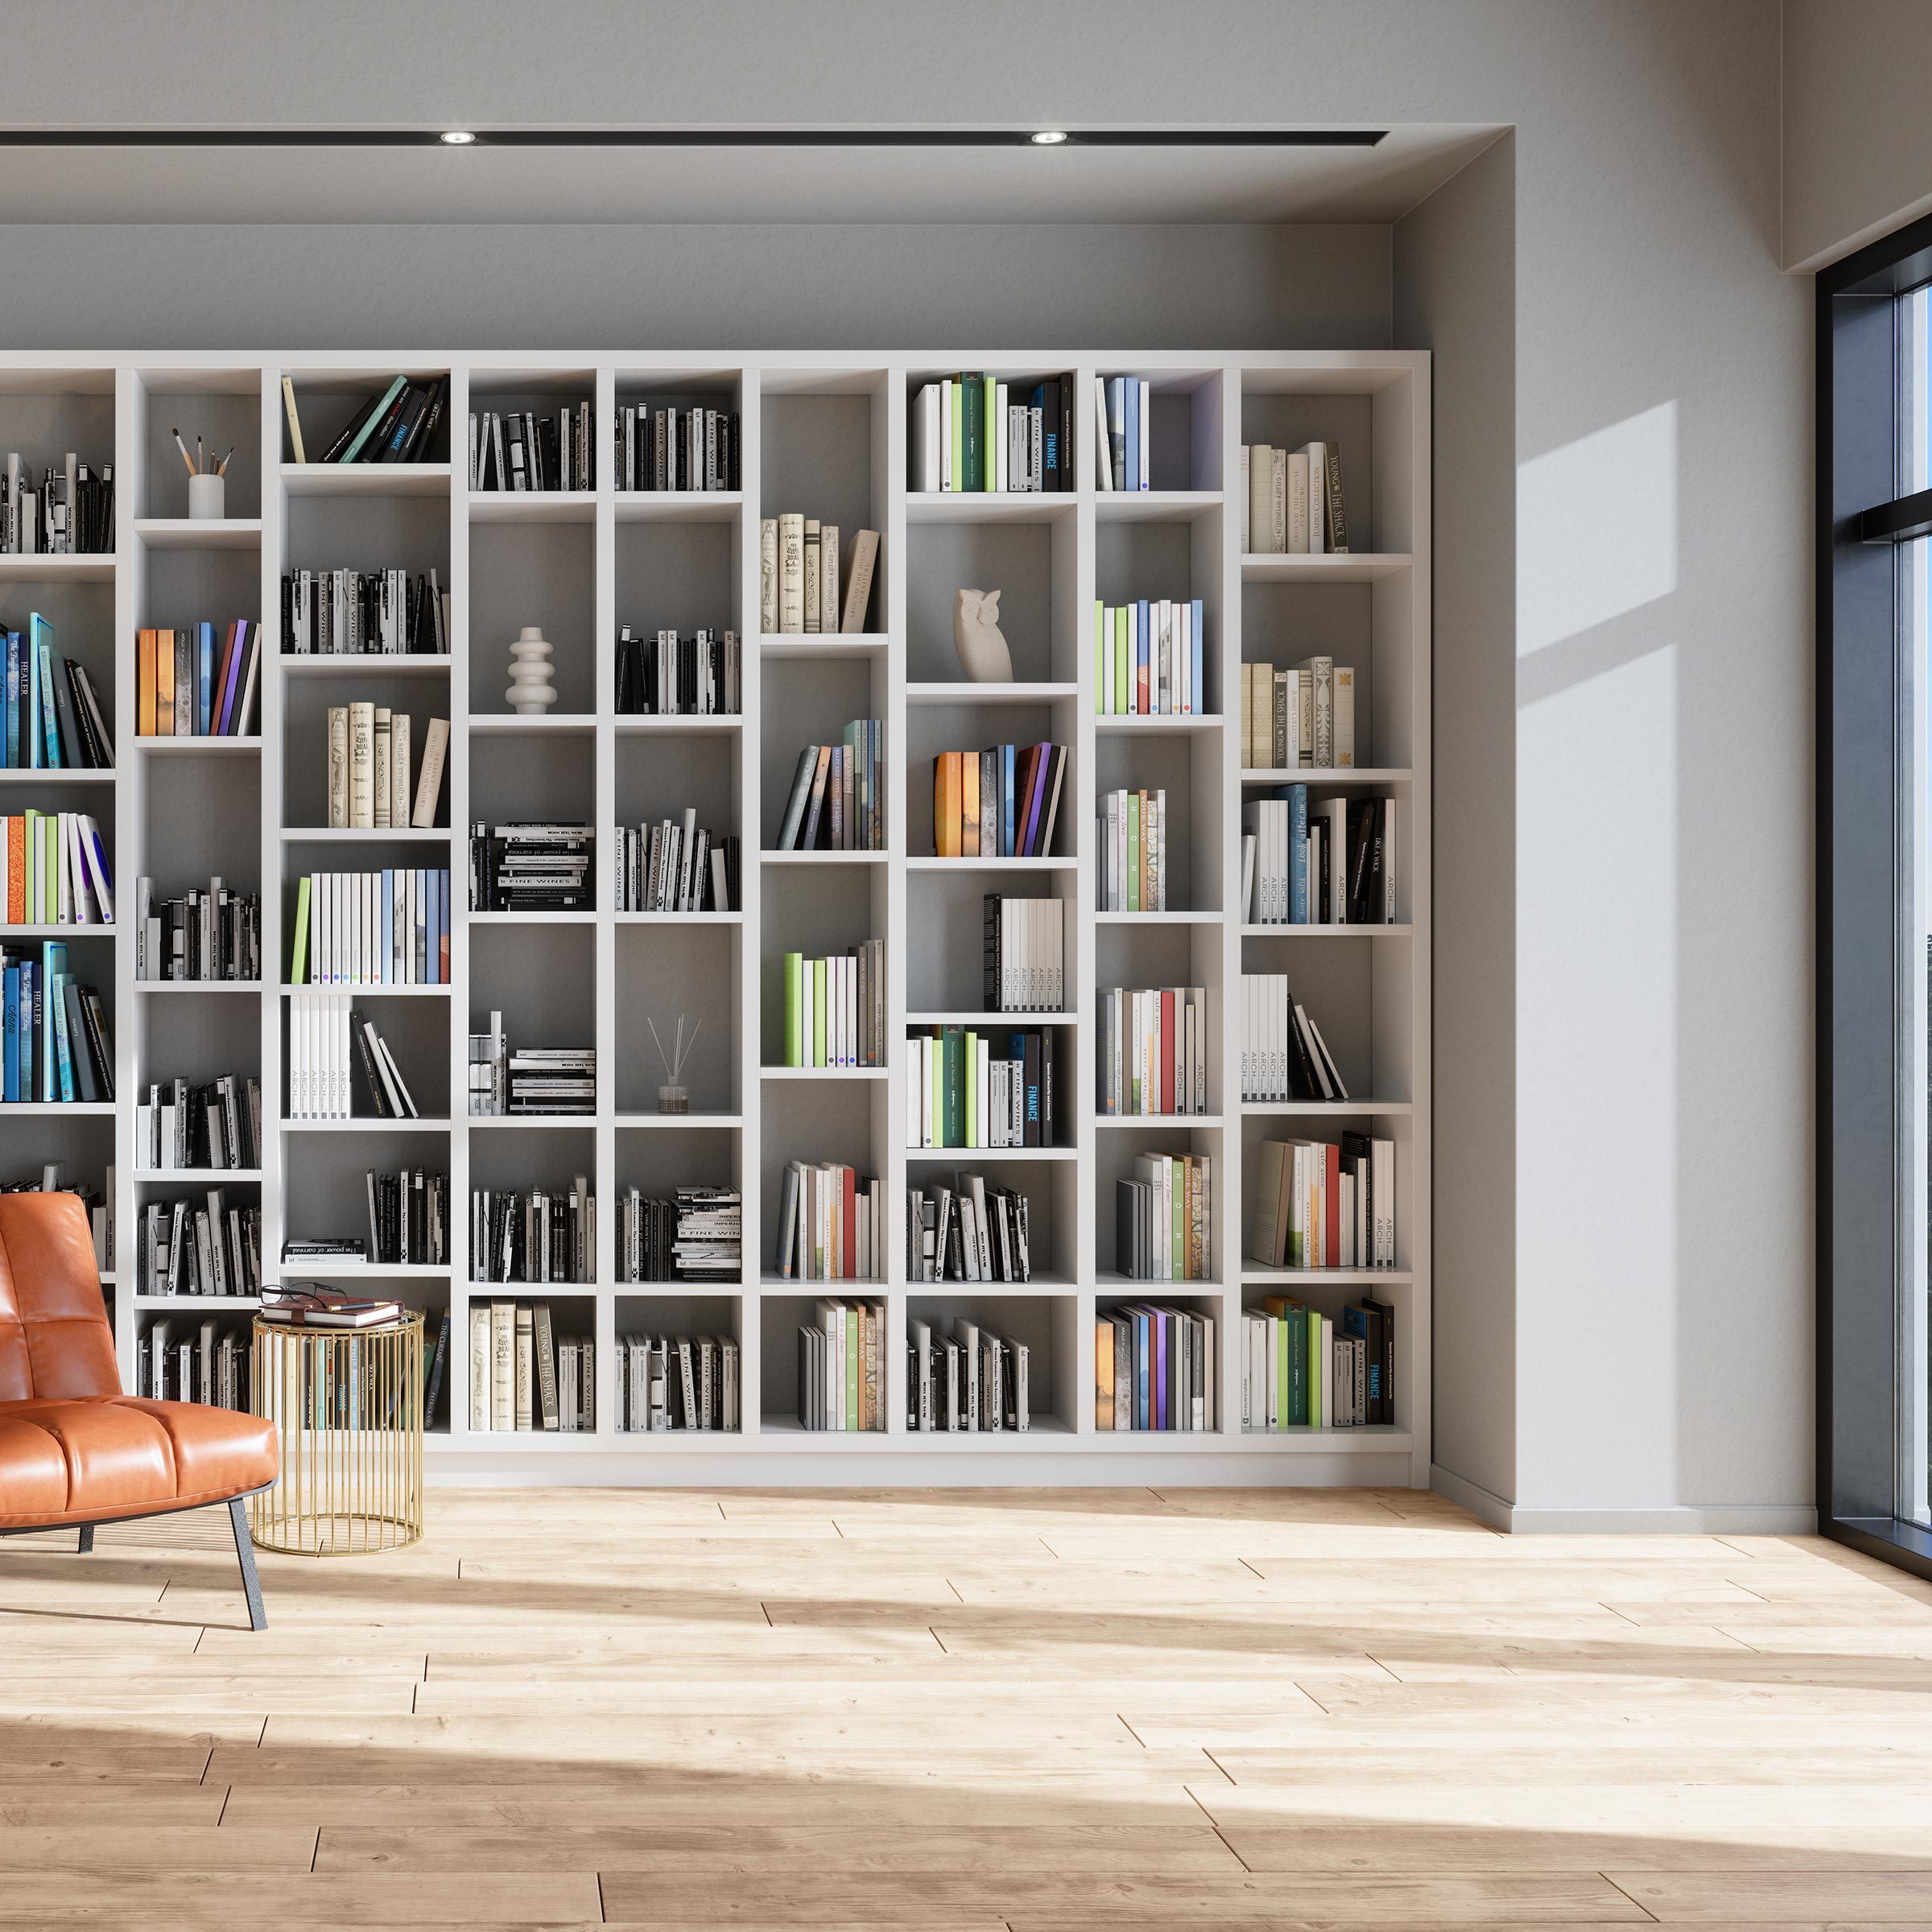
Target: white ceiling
x,y
483,184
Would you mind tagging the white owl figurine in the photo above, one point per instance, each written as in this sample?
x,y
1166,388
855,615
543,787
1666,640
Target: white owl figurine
x,y
977,636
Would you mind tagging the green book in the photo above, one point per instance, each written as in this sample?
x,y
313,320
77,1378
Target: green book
x,y
936,1087
991,465
818,1013
1134,855
53,970
1123,663
956,454
298,971
970,1084
954,1118
50,868
852,1366
793,992
972,434
1178,1175
375,416
1311,1371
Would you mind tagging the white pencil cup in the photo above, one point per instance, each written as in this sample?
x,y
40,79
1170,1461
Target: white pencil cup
x,y
206,496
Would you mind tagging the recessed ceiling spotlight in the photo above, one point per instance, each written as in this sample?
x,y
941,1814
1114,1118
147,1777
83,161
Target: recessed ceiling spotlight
x,y
457,137
1048,137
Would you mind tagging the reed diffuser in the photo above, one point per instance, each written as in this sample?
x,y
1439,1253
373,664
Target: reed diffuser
x,y
674,1096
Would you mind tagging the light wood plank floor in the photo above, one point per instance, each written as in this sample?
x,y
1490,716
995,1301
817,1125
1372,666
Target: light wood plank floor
x,y
961,1711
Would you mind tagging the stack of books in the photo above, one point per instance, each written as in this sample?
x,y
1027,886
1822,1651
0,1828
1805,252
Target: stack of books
x,y
344,614
524,1376
54,870
56,1045
976,432
1151,1056
678,1382
968,1231
971,1379
216,1124
838,795
196,683
1001,803
530,867
204,1247
991,1089
53,718
832,1224
520,450
842,1368
552,1080
1298,1372
387,928
211,934
71,514
672,449
1023,959
397,424
310,1305
408,1217
1149,658
534,1237
1329,863
1291,500
1325,1204
369,786
798,582
1133,852
1154,1368
1302,717
707,1243
327,1035
1123,432
670,867
1162,1218
835,1008
668,675
193,1361
1283,1055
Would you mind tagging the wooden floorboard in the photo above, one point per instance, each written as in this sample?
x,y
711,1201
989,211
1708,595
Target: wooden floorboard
x,y
985,1710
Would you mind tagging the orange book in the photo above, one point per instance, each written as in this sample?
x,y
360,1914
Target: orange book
x,y
164,683
16,871
144,686
946,802
969,805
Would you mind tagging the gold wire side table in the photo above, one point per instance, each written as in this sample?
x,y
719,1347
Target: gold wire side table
x,y
347,1404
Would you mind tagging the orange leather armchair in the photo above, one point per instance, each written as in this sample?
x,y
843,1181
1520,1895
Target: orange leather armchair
x,y
74,1450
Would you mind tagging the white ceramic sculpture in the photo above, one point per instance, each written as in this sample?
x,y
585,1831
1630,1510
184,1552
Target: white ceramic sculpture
x,y
530,693
977,636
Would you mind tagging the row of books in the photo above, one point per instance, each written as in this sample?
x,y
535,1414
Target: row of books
x,y
197,682
387,928
1151,1056
53,870
1023,967
538,867
201,934
686,1381
535,1235
206,1246
799,591
369,786
1163,1219
670,867
672,449
838,795
842,1368
697,1235
1290,501
971,1379
71,514
666,675
1298,1372
1283,1055
1154,1368
339,614
977,432
835,1008
397,424
1149,657
999,803
1299,716
1324,1203
1123,432
520,450
54,721
524,1376
984,1090
55,1044
1133,851
214,1123
970,1231
408,1218
97,1201
205,1361
326,1037
504,1080
1329,863
832,1224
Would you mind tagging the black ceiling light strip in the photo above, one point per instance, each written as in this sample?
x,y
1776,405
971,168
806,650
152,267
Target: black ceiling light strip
x,y
722,137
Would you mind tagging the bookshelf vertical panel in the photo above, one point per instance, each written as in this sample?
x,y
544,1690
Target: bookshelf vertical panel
x,y
889,1098
750,936
462,1016
1225,463
1081,975
270,710
130,808
603,705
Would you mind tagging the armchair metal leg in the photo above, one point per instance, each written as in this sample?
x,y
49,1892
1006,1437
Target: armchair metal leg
x,y
245,1553
87,1539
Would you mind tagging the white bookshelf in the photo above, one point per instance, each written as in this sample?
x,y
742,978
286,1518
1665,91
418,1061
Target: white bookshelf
x,y
825,433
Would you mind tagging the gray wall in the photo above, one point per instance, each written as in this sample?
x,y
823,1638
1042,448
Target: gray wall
x,y
1858,123
1625,936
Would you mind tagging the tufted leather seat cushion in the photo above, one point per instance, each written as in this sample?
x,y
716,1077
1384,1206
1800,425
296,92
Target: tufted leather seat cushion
x,y
73,1447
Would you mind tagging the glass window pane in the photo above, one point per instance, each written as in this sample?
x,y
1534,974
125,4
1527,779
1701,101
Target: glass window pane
x,y
1914,1097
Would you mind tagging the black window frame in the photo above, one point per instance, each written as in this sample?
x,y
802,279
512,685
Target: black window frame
x,y
1862,520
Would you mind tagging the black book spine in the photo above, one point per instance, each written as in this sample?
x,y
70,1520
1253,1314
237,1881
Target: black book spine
x,y
350,428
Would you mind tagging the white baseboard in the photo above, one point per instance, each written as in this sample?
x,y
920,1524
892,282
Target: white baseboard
x,y
1668,1519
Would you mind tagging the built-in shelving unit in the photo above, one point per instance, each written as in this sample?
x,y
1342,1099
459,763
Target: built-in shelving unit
x,y
825,433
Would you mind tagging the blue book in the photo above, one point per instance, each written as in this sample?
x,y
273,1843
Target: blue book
x,y
1297,796
1130,399
64,1052
1007,753
1195,684
1158,1323
204,678
386,971
1144,691
28,1089
49,725
1141,1418
13,700
30,723
53,965
439,904
9,1071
